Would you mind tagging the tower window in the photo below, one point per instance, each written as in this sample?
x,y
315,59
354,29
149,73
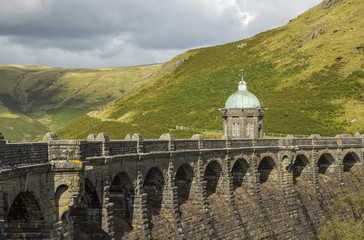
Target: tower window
x,y
234,130
238,129
247,129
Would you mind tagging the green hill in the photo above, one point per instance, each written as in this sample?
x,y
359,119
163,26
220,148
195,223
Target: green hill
x,y
308,73
36,99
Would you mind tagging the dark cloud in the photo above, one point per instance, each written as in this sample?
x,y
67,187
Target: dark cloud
x,y
89,33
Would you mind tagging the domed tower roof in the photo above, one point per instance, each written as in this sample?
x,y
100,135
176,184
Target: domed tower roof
x,y
242,98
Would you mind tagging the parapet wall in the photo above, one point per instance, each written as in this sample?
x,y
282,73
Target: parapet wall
x,y
20,154
28,153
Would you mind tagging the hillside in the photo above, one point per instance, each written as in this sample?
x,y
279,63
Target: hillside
x,y
35,99
308,74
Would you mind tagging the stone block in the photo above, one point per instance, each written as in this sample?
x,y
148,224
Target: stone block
x,y
102,137
137,137
91,137
49,136
167,136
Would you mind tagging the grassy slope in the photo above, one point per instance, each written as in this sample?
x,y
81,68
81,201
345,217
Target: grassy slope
x,y
35,99
293,70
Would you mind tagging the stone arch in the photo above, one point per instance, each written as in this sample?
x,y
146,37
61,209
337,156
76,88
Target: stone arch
x,y
33,186
13,192
112,171
300,167
324,162
93,183
267,170
154,187
286,162
62,200
349,161
127,172
121,194
90,197
328,153
183,181
305,154
239,171
68,181
87,214
270,155
212,175
131,173
245,157
186,161
24,217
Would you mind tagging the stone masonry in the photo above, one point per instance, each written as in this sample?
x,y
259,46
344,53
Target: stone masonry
x,y
174,188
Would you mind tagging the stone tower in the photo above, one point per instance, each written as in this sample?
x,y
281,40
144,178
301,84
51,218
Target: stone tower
x,y
242,115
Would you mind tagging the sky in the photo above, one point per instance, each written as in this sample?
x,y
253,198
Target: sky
x,y
113,33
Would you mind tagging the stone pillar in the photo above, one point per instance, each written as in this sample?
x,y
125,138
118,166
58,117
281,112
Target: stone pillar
x,y
340,173
314,169
339,168
257,182
139,138
226,188
315,183
290,195
105,143
258,194
52,228
107,213
64,156
140,217
249,180
225,184
198,186
170,200
228,142
199,138
171,140
198,195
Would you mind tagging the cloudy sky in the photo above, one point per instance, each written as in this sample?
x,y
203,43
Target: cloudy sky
x,y
109,33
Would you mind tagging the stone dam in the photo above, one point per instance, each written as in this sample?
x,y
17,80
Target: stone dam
x,y
176,189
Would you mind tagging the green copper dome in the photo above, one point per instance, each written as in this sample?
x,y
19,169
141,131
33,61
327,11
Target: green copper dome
x,y
242,98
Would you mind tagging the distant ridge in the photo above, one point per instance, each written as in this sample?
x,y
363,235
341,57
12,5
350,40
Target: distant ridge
x,y
38,99
309,73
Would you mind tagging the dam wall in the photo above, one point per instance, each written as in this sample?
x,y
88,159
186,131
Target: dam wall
x,y
171,188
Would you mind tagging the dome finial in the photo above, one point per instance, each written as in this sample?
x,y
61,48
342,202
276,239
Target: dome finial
x,y
242,83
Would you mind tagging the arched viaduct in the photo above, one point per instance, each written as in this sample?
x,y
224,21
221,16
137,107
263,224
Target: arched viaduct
x,y
105,189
